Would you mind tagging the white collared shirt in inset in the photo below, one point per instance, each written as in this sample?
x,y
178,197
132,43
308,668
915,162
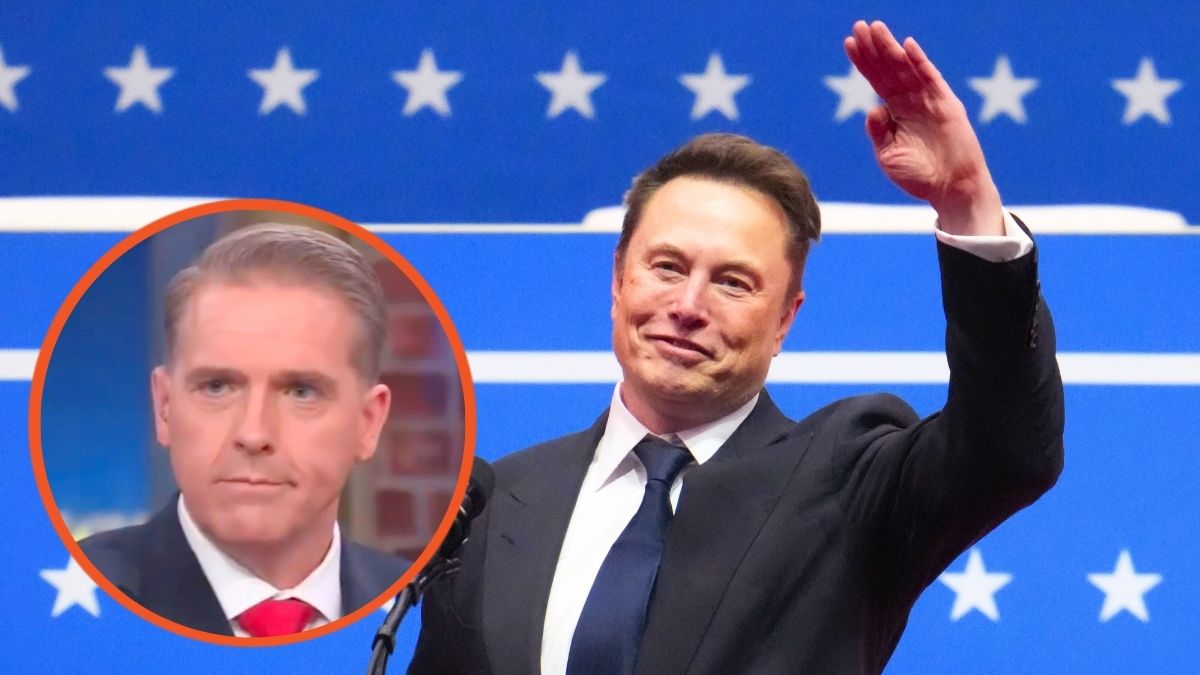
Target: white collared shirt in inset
x,y
237,588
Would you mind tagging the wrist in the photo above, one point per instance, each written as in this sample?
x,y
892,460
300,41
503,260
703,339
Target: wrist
x,y
975,214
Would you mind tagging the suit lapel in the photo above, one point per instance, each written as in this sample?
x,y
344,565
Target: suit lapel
x,y
723,506
177,589
526,527
355,576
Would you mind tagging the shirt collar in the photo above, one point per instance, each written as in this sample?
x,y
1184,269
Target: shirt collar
x,y
623,431
237,589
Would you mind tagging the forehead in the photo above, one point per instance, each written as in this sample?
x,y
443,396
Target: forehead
x,y
263,322
700,211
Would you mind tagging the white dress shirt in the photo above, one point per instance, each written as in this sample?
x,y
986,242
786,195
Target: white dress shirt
x,y
1011,245
611,493
616,479
237,588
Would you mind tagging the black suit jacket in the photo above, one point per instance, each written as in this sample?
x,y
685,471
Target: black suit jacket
x,y
153,564
800,546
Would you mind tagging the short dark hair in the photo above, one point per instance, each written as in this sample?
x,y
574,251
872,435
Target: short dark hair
x,y
291,254
735,159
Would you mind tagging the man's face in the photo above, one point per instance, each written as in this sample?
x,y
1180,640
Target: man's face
x,y
701,302
262,412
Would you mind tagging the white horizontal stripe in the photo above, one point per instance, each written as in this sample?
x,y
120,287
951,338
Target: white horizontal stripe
x,y
859,218
1080,368
17,364
859,367
125,214
88,214
842,368
1138,369
530,367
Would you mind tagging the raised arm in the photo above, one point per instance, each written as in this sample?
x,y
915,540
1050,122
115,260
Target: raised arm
x,y
928,489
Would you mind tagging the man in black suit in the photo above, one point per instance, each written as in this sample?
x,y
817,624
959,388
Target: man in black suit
x,y
268,396
695,528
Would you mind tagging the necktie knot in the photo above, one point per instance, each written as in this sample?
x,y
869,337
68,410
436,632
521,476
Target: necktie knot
x,y
663,460
276,617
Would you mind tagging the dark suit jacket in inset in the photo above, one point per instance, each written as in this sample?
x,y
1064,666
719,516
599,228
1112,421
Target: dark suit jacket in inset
x,y
799,547
153,564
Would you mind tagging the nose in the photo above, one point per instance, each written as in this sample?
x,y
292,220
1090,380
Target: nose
x,y
253,433
688,306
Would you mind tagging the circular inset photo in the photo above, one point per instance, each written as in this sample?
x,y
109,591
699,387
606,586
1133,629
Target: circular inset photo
x,y
252,422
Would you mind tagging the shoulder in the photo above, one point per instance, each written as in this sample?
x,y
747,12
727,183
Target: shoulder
x,y
849,426
549,456
366,572
376,564
856,414
114,553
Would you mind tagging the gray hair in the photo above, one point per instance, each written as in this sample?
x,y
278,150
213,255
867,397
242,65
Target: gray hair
x,y
292,254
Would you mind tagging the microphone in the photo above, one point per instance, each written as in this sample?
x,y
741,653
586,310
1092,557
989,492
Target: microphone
x,y
444,563
479,489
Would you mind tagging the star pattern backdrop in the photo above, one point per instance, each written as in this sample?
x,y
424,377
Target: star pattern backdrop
x,y
475,138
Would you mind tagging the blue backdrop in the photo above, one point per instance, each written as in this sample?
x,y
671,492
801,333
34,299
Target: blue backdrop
x,y
436,115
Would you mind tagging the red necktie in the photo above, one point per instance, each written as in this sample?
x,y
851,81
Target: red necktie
x,y
276,617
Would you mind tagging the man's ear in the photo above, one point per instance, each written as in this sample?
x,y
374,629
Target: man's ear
x,y
376,403
160,395
790,310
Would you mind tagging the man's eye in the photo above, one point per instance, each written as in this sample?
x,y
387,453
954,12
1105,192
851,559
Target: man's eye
x,y
302,392
214,387
734,283
667,266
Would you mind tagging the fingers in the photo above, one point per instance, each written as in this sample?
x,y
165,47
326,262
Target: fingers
x,y
861,49
894,67
921,63
886,64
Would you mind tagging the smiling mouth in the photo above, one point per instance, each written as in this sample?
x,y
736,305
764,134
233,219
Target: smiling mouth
x,y
680,343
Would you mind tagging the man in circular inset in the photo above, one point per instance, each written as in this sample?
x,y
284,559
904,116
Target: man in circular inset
x,y
268,397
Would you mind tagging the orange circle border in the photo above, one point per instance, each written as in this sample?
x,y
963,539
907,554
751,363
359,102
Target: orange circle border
x,y
212,208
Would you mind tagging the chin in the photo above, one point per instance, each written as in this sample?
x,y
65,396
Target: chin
x,y
682,391
244,531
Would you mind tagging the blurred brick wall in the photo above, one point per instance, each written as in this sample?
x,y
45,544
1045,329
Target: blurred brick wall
x,y
400,500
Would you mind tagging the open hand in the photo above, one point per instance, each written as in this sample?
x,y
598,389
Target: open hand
x,y
922,137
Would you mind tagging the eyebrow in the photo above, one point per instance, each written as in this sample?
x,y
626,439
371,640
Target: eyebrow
x,y
312,378
207,373
743,266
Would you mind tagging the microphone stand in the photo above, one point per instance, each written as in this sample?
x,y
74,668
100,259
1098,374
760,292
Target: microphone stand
x,y
445,563
385,638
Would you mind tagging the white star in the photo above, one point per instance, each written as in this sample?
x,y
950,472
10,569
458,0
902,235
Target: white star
x,y
139,82
714,89
1002,92
571,87
1146,94
9,77
975,588
427,86
1124,588
283,84
855,94
74,586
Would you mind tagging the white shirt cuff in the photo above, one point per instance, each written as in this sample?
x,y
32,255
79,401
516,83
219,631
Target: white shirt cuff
x,y
1013,244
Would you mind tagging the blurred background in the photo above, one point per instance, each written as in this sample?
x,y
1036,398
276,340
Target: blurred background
x,y
489,143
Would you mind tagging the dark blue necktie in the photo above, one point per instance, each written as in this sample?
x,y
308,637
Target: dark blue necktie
x,y
610,628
